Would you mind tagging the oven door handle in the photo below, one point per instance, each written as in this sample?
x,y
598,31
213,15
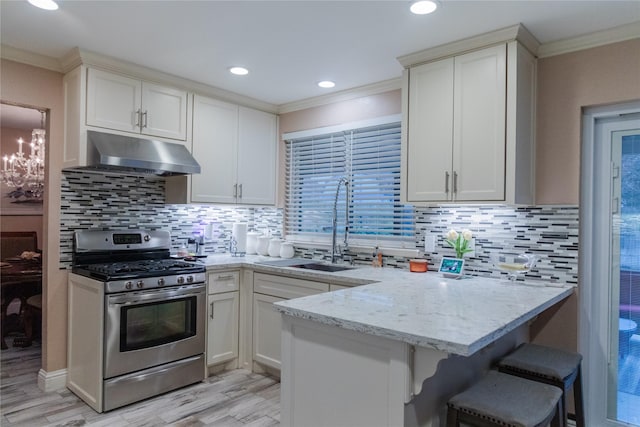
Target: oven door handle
x,y
159,296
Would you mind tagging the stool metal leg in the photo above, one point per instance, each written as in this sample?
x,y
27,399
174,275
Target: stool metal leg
x,y
452,417
577,394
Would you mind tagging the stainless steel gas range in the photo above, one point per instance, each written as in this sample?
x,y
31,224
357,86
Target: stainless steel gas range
x,y
136,318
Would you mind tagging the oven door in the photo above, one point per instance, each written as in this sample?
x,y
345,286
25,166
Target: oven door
x,y
148,328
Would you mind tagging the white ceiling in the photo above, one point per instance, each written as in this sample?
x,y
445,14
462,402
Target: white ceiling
x,y
288,46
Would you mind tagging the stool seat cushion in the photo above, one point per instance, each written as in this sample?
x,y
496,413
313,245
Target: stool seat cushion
x,y
544,361
508,400
35,301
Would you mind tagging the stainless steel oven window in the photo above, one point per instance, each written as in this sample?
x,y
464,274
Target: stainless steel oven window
x,y
118,362
156,323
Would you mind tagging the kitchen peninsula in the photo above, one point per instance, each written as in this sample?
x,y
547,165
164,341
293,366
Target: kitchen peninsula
x,y
391,353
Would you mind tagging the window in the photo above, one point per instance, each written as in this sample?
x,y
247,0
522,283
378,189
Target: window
x,y
369,158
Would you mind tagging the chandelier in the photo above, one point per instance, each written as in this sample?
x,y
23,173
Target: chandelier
x,y
26,173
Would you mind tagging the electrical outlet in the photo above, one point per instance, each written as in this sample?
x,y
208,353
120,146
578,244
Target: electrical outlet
x,y
429,243
472,246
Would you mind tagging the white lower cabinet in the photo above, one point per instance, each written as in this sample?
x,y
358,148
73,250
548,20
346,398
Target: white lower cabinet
x,y
267,321
267,327
222,344
223,317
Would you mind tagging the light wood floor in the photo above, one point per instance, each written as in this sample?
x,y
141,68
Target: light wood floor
x,y
233,399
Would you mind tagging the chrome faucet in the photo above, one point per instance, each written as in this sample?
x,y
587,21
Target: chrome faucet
x,y
336,251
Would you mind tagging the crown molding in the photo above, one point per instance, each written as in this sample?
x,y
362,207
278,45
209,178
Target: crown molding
x,y
341,96
34,59
515,32
80,56
587,41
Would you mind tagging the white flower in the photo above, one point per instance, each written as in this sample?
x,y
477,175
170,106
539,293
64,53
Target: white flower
x,y
452,235
466,235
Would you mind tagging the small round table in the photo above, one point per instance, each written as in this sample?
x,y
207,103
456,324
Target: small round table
x,y
626,328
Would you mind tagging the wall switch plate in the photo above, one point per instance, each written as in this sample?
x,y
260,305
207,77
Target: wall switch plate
x,y
429,243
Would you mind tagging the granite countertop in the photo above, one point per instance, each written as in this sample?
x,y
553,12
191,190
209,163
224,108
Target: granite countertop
x,y
423,309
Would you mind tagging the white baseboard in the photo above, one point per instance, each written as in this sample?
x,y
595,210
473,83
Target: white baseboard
x,y
51,381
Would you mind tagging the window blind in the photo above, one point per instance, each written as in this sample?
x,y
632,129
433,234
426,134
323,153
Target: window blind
x,y
370,159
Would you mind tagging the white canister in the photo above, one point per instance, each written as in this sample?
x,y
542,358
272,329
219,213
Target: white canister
x,y
274,247
252,242
263,245
286,250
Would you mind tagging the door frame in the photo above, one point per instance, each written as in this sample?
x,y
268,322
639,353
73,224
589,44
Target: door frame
x,y
593,320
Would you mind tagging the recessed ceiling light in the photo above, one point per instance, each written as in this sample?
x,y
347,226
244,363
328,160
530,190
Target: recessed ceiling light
x,y
326,84
239,71
423,7
45,4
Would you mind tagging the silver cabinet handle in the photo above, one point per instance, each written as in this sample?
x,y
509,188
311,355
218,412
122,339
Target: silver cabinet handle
x,y
240,192
211,315
144,122
446,181
455,182
235,190
137,113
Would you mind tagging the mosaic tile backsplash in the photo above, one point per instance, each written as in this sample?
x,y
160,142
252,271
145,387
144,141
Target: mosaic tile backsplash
x,y
126,202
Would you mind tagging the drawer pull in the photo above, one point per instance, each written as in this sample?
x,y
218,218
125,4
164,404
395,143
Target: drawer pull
x,y
225,277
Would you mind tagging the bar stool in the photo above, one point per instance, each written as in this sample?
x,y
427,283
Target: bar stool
x,y
505,400
552,366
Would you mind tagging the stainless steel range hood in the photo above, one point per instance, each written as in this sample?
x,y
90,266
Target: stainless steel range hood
x,y
118,153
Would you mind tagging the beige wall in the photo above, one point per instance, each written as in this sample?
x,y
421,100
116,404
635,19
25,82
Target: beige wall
x,y
40,88
567,83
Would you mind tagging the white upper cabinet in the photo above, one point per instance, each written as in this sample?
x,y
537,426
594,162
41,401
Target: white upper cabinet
x,y
215,147
237,149
479,99
430,155
469,120
122,103
115,103
257,157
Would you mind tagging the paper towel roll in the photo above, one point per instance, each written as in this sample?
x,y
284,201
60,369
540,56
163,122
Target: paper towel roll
x,y
239,232
208,231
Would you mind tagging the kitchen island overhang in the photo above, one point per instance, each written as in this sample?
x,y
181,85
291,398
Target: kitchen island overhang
x,y
393,352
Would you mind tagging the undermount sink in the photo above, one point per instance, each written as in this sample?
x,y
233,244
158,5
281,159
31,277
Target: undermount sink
x,y
305,264
322,267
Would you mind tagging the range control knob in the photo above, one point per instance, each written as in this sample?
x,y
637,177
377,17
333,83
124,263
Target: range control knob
x,y
189,279
161,282
128,285
180,280
140,284
146,237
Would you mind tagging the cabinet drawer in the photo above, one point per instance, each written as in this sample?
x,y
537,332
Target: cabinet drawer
x,y
223,281
286,287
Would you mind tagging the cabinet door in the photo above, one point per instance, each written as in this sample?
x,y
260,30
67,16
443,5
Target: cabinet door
x,y
430,127
113,101
222,332
257,157
267,329
215,147
164,112
479,125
